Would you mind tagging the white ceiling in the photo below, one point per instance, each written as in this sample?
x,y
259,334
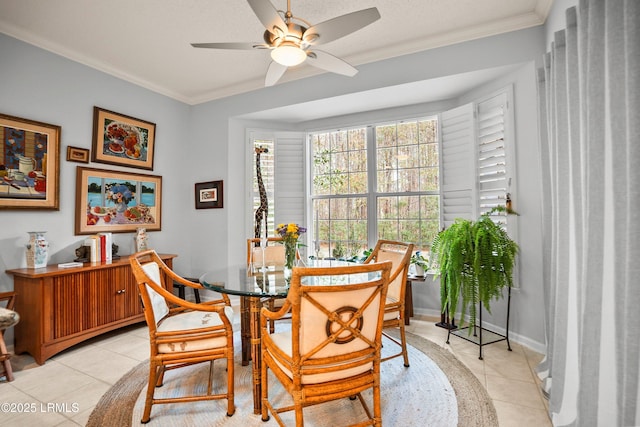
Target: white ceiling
x,y
147,42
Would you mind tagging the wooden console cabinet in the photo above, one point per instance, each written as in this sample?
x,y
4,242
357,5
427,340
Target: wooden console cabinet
x,y
60,307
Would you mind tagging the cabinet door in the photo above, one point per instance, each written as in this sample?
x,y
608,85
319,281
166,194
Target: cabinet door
x,y
127,292
71,305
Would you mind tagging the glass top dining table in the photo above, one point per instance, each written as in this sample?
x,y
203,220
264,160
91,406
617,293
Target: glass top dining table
x,y
271,282
254,286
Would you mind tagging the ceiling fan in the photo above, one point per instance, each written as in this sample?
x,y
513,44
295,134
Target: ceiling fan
x,y
292,40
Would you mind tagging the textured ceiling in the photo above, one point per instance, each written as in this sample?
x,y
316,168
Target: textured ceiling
x,y
147,42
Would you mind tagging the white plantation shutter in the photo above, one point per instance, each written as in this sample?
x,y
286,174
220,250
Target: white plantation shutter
x,y
457,138
493,181
283,176
289,178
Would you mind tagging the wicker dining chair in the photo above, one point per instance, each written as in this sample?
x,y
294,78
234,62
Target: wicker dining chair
x,y
332,350
8,318
399,253
182,333
274,256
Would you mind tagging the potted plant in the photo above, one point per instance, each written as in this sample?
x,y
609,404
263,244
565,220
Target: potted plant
x,y
475,261
420,263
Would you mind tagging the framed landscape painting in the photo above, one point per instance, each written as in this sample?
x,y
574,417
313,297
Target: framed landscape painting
x,y
122,140
117,202
29,164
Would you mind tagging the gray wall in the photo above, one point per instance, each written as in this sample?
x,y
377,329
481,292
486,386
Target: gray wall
x,y
207,142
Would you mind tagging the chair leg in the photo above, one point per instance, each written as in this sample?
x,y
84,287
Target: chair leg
x,y
403,340
231,406
272,323
264,390
154,376
160,376
299,415
4,357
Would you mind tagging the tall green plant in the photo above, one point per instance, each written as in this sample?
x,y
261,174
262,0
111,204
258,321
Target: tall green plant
x,y
474,260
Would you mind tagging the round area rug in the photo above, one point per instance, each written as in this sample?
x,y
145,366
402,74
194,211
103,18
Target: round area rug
x,y
437,390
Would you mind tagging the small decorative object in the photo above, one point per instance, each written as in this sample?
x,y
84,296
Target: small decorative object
x,y
141,239
122,140
82,253
420,263
37,250
290,234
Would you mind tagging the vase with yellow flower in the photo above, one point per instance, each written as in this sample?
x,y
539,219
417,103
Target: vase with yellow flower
x,y
290,234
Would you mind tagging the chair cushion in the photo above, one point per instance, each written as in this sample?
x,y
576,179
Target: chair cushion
x,y
395,286
273,256
8,318
283,341
193,320
395,314
158,303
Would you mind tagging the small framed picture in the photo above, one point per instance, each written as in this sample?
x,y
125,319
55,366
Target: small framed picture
x,y
209,195
75,154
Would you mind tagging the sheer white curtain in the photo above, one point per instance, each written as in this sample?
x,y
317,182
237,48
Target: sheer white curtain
x,y
589,100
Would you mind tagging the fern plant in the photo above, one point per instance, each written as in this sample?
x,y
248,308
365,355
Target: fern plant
x,y
475,261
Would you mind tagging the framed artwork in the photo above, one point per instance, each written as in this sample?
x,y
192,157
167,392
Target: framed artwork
x,y
29,164
209,195
118,202
122,140
75,154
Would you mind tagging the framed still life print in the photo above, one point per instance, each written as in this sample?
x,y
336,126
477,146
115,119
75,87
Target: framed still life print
x,y
122,140
29,164
117,202
209,195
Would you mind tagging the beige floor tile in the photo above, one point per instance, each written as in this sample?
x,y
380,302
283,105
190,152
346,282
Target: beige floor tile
x,y
49,381
100,363
508,365
513,415
40,418
524,393
86,397
129,345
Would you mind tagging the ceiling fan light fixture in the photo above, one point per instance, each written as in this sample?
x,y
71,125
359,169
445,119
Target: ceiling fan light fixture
x,y
288,54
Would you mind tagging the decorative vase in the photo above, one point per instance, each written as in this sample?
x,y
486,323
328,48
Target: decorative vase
x,y
290,246
37,250
141,239
121,207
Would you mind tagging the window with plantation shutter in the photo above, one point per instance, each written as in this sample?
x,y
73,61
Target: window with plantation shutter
x,y
457,165
493,180
289,179
477,157
282,170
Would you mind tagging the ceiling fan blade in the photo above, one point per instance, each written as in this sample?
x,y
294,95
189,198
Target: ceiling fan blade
x,y
268,15
239,46
328,62
341,26
274,72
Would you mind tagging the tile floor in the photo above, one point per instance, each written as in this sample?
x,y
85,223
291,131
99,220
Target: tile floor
x,y
64,390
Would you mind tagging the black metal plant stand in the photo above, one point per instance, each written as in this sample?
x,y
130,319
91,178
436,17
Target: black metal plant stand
x,y
477,336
